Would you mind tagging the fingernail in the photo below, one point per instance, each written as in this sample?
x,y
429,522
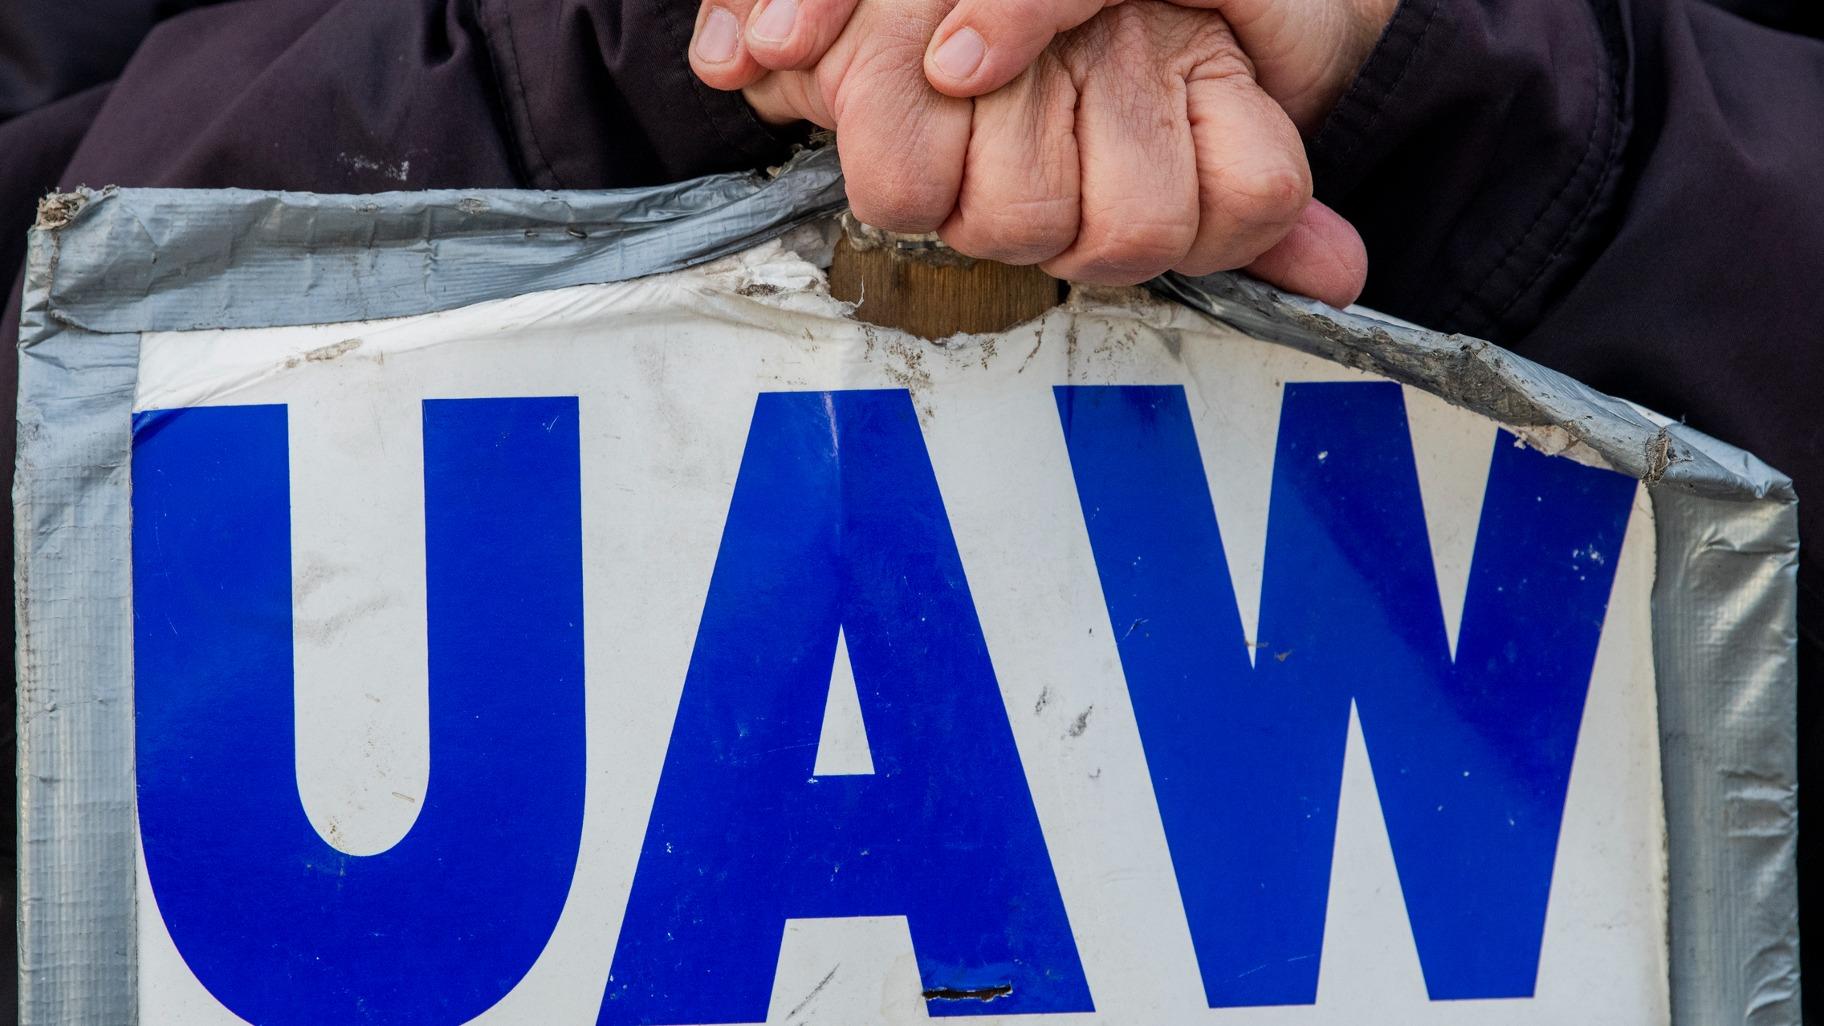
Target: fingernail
x,y
961,54
775,23
717,39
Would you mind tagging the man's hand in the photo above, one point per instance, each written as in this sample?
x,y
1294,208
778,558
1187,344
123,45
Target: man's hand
x,y
1305,52
1136,144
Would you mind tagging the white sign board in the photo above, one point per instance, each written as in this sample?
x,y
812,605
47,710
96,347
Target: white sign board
x,y
681,652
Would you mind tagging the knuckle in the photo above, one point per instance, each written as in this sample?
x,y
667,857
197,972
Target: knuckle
x,y
1224,62
1021,232
1264,193
1250,213
1120,32
1127,251
1210,259
899,209
903,166
895,216
900,34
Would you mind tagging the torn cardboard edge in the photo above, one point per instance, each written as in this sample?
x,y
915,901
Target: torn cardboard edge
x,y
1556,413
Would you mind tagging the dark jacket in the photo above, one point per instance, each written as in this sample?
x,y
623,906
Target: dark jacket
x,y
1631,191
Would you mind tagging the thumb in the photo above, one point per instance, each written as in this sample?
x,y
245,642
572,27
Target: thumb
x,y
984,44
1322,257
717,53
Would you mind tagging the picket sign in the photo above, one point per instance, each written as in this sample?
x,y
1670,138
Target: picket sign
x,y
554,608
681,651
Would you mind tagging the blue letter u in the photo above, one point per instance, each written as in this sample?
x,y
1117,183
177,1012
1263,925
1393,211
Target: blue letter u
x,y
277,924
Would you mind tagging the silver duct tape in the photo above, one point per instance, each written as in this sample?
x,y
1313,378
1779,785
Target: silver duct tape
x,y
299,258
1724,651
1489,380
108,265
75,660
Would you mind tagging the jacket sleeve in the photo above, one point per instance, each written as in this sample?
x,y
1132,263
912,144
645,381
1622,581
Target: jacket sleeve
x,y
367,95
50,49
1630,191
580,79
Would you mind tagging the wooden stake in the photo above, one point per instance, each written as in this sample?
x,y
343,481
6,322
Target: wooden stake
x,y
918,285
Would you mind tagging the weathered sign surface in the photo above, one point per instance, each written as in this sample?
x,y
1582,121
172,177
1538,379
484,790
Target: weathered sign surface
x,y
682,652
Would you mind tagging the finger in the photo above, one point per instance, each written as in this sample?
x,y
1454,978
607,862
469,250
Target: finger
x,y
984,44
793,34
786,97
717,54
1019,198
1322,257
904,175
1252,177
1138,173
903,144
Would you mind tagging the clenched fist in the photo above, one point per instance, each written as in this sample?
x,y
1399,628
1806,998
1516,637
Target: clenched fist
x,y
1137,143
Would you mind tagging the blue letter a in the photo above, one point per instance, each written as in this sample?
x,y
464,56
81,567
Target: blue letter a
x,y
836,524
278,925
1471,757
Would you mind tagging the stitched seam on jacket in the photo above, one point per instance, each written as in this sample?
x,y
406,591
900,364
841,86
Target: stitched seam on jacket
x,y
1355,114
1398,80
519,94
1557,198
502,97
697,85
1611,163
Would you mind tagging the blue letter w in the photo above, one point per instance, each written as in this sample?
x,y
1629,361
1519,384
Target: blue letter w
x,y
1471,757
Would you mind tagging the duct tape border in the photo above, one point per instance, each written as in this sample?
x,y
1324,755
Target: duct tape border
x,y
108,265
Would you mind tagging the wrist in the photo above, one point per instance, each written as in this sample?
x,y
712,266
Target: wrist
x,y
1330,42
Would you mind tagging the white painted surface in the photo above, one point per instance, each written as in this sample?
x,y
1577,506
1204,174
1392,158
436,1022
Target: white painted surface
x,y
666,371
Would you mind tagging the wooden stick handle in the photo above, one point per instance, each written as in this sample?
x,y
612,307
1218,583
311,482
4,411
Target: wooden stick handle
x,y
918,285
